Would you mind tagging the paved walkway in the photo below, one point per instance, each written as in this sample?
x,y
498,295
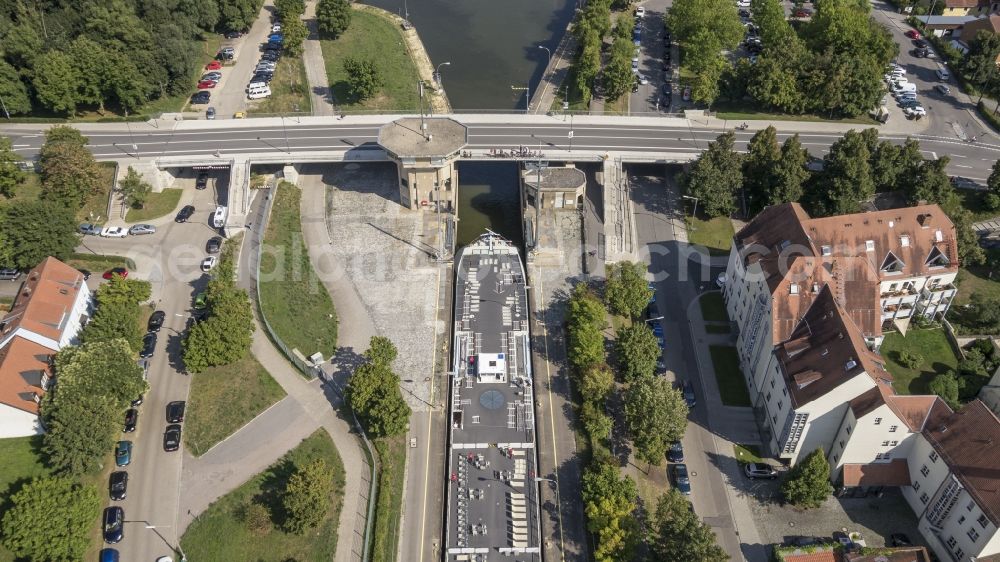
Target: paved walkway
x,y
555,74
312,58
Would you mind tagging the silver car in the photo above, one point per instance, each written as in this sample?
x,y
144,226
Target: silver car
x,y
137,229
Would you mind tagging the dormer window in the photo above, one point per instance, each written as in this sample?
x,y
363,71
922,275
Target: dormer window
x,y
904,241
815,287
793,288
937,258
826,250
938,236
869,245
892,264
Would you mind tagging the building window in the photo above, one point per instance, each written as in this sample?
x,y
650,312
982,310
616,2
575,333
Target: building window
x,y
933,456
961,520
893,428
983,522
784,391
916,486
869,245
878,421
780,404
972,504
893,443
924,470
768,397
772,383
893,286
878,456
885,443
774,419
924,498
848,430
951,542
959,554
841,443
826,250
836,458
973,534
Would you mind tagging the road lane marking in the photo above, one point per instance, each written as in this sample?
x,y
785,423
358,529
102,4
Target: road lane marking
x,y
552,421
427,438
962,166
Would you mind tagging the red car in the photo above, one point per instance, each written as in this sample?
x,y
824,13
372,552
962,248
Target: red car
x,y
803,13
206,84
120,271
913,34
214,65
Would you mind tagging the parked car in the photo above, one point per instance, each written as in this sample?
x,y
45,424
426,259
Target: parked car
x,y
688,391
202,181
137,401
232,34
214,75
668,91
118,485
156,321
900,540
119,271
913,34
139,229
9,273
943,88
200,301
208,263
676,452
113,524
114,232
201,98
90,229
803,13
214,65
917,111
175,411
681,480
964,183
85,273
206,84
640,12
755,470
919,43
123,453
213,245
131,420
108,555
184,214
172,438
148,345
942,74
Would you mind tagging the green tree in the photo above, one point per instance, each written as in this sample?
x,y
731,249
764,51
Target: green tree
x,y
238,14
588,63
846,180
676,532
774,84
945,385
134,190
808,483
289,9
656,415
69,171
79,434
104,369
932,183
886,165
374,395
11,174
30,231
307,496
687,17
257,518
608,501
790,173
909,359
618,75
56,82
637,351
980,64
333,17
992,184
969,250
13,90
295,33
715,176
586,322
364,78
117,314
50,519
760,167
703,52
596,382
626,290
597,424
381,351
90,62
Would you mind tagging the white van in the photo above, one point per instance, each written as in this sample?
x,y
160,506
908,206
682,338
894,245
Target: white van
x,y
943,74
258,93
219,216
905,89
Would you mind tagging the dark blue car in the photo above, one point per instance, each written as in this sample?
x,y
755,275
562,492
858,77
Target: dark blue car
x,y
681,480
109,555
688,391
114,524
676,452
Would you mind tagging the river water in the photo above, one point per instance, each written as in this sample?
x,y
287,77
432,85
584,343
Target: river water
x,y
488,199
491,44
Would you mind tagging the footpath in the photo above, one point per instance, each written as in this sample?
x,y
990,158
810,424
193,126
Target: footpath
x,y
312,59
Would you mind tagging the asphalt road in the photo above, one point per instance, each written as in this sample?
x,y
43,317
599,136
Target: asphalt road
x,y
170,260
635,135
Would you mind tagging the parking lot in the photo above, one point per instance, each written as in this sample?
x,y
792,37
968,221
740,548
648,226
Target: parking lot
x,y
650,97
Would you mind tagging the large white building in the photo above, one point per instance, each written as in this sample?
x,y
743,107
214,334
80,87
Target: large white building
x,y
48,312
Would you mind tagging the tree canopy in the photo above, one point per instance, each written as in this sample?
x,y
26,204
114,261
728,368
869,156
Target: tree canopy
x,y
676,532
50,519
637,351
307,496
374,394
808,483
586,322
626,291
333,16
715,177
608,501
656,415
30,231
11,173
364,77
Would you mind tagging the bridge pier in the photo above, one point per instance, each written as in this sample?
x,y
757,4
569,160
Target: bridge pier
x,y
158,178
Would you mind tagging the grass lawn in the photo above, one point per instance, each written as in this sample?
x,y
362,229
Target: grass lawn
x,y
575,97
713,308
158,205
747,112
931,344
715,234
95,208
975,202
971,280
732,388
375,38
296,304
746,453
97,263
22,461
618,106
220,533
389,505
224,399
289,90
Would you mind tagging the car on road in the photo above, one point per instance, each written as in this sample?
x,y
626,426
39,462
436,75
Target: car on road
x,y
10,273
915,112
213,245
108,555
681,480
113,524
208,263
119,271
137,401
148,345
755,470
118,485
175,411
139,229
172,438
687,389
214,65
207,84
156,321
184,214
913,34
640,12
943,88
202,181
114,232
201,98
226,53
131,420
123,453
676,452
90,229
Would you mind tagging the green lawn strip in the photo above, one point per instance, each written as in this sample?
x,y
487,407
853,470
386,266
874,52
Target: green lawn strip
x,y
297,306
95,208
747,112
389,505
930,344
27,190
575,96
746,453
618,106
726,365
713,308
715,234
98,263
375,38
22,461
289,90
220,534
224,399
158,205
717,329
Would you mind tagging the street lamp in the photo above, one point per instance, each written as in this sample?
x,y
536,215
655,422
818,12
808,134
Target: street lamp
x,y
695,199
437,73
155,529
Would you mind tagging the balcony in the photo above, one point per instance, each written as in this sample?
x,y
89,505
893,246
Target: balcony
x,y
892,311
938,294
904,292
